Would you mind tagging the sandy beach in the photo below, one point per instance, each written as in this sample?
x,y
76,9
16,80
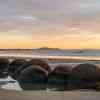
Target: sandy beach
x,y
49,95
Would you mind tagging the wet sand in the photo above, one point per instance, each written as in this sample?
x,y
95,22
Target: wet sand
x,y
49,95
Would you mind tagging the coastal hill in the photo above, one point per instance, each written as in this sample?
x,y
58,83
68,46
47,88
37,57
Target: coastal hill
x,y
46,48
52,51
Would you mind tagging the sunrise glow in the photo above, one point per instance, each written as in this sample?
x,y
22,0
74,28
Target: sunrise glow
x,y
68,24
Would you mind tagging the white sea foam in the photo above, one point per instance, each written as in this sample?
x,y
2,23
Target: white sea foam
x,y
10,84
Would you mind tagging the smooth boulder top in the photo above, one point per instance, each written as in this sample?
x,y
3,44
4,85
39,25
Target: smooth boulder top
x,y
18,62
61,72
15,64
43,64
86,71
29,73
62,69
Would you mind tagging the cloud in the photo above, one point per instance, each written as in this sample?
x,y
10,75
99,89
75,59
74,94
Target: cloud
x,y
27,18
46,17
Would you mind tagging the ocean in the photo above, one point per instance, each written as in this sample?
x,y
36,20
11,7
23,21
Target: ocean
x,y
90,55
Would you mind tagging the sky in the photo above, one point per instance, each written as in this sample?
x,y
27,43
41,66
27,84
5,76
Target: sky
x,y
68,24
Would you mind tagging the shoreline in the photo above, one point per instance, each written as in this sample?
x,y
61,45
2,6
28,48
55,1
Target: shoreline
x,y
52,58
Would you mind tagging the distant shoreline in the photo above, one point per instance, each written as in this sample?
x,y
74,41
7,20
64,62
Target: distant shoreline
x,y
50,58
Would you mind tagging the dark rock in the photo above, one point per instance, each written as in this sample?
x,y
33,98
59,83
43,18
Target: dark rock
x,y
43,64
33,78
84,76
4,64
14,65
58,78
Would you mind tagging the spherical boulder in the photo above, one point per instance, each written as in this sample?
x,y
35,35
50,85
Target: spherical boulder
x,y
84,76
4,64
33,78
14,65
58,78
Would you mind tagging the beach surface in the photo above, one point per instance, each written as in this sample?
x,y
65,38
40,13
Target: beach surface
x,y
49,95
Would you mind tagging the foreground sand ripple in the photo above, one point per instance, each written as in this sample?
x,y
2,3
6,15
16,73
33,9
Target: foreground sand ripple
x,y
49,95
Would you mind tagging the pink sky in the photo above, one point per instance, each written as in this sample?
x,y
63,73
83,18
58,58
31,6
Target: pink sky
x,y
52,23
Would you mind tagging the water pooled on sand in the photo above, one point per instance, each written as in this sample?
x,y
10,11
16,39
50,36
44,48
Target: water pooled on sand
x,y
10,84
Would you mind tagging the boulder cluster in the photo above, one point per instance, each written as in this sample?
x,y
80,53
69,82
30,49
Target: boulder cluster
x,y
36,74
